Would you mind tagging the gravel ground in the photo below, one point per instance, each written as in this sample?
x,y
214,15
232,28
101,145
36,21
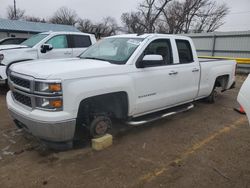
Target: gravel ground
x,y
208,146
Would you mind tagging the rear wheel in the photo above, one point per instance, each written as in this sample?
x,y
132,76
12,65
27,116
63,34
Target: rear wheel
x,y
212,97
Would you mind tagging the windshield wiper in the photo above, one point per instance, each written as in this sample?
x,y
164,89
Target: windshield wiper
x,y
110,61
94,58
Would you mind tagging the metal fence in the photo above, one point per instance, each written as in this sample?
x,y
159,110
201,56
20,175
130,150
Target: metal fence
x,y
234,45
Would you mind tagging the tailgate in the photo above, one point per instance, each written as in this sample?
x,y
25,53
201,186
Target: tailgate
x,y
244,96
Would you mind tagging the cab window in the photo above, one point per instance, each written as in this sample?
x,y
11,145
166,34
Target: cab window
x,y
160,47
80,41
59,41
184,51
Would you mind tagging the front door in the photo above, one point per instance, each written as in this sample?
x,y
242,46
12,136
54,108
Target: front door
x,y
60,48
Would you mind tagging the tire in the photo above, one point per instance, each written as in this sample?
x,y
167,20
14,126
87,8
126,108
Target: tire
x,y
6,85
100,126
212,97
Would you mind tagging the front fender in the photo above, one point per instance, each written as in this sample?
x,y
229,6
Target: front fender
x,y
76,91
17,55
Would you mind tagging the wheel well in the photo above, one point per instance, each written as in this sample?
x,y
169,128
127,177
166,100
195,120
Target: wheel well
x,y
114,105
222,81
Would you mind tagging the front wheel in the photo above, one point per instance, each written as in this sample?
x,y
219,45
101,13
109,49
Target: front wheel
x,y
100,126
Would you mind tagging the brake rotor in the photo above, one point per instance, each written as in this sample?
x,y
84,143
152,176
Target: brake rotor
x,y
101,127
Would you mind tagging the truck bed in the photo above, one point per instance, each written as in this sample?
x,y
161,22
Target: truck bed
x,y
204,60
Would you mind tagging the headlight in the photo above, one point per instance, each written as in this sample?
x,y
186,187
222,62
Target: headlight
x,y
48,87
50,95
54,104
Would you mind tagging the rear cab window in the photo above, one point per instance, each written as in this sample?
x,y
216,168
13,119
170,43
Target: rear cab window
x,y
184,51
80,41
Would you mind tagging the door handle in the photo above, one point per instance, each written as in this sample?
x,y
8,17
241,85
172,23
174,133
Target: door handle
x,y
195,70
173,73
67,53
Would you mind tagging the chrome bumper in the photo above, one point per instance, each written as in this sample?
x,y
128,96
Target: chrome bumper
x,y
48,131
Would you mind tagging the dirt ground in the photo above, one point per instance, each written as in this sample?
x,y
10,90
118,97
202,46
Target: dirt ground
x,y
208,146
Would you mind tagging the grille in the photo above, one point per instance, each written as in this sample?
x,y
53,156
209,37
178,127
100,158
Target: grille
x,y
20,82
22,99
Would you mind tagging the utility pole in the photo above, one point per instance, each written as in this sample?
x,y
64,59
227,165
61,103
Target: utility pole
x,y
15,9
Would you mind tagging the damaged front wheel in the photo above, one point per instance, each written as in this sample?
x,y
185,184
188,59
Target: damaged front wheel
x,y
100,126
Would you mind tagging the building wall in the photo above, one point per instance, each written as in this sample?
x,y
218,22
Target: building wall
x,y
226,44
9,34
3,35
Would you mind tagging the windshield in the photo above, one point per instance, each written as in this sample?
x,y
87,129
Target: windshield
x,y
113,50
32,41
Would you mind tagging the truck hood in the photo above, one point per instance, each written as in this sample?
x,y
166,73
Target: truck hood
x,y
66,68
10,47
14,53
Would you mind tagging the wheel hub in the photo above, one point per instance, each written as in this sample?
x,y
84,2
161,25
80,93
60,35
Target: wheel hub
x,y
101,127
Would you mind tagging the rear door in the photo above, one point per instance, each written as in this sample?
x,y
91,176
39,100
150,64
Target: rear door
x,y
187,72
61,49
79,43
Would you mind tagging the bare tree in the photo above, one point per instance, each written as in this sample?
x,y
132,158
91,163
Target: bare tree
x,y
110,25
146,16
173,19
211,18
65,16
132,22
175,16
85,25
150,10
34,19
15,15
193,15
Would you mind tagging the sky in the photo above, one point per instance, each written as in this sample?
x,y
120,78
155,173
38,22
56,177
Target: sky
x,y
237,20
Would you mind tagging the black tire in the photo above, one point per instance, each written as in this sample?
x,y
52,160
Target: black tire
x,y
100,126
212,97
6,85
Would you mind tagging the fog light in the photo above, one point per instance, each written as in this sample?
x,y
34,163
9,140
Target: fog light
x,y
54,104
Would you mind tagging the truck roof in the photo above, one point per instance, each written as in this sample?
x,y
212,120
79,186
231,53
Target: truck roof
x,y
149,35
66,32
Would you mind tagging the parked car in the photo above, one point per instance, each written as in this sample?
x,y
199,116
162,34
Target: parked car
x,y
12,40
49,45
244,97
126,77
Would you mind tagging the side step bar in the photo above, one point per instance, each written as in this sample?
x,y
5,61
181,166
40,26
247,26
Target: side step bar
x,y
149,120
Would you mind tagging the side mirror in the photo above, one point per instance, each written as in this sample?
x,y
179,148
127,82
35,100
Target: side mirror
x,y
46,47
150,60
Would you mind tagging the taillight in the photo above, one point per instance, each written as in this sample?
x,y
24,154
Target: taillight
x,y
235,69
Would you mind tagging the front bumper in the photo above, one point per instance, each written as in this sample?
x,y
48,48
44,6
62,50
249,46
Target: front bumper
x,y
42,124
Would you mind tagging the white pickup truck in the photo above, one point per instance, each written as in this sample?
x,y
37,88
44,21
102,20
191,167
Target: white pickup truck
x,y
126,77
46,45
